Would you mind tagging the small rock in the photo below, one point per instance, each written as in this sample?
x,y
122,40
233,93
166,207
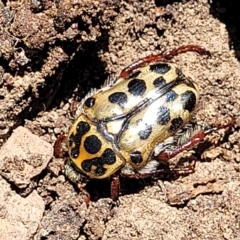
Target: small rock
x,y
23,157
19,217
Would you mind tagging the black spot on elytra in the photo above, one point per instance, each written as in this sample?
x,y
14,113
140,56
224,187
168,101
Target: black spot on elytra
x,y
136,157
108,157
160,68
188,100
82,128
90,102
137,87
92,144
159,82
176,123
146,132
171,96
119,98
163,115
134,74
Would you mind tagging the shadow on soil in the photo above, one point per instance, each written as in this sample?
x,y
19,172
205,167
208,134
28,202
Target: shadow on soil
x,y
228,13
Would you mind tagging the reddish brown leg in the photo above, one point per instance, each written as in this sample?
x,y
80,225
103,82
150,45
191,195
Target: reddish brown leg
x,y
183,170
186,48
193,141
163,57
87,195
115,184
73,108
230,124
60,146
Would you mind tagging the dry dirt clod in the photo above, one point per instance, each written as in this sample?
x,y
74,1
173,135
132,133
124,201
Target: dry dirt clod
x,y
23,157
53,52
19,217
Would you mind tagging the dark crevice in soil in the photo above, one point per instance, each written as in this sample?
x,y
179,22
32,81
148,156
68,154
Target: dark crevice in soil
x,y
159,3
82,232
228,13
84,72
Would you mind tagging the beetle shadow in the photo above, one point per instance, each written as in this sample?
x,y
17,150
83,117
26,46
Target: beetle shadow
x,y
101,188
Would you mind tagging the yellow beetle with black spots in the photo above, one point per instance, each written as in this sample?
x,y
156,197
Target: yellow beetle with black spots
x,y
120,125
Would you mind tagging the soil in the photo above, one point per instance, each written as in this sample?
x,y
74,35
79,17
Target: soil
x,y
52,53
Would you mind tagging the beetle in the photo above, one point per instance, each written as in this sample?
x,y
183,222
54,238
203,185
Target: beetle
x,y
134,122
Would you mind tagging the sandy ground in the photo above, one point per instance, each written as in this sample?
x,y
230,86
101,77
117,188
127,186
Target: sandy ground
x,y
54,52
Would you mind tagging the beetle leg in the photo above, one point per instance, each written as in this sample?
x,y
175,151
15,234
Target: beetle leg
x,y
186,48
163,57
73,108
140,63
60,146
183,170
193,141
115,185
87,198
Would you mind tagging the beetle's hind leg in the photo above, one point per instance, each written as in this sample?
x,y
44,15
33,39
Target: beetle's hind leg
x,y
126,72
187,138
185,48
163,57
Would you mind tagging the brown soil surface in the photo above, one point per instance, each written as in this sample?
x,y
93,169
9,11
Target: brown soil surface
x,y
54,52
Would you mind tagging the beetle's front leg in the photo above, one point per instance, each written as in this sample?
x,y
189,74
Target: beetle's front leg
x,y
60,146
